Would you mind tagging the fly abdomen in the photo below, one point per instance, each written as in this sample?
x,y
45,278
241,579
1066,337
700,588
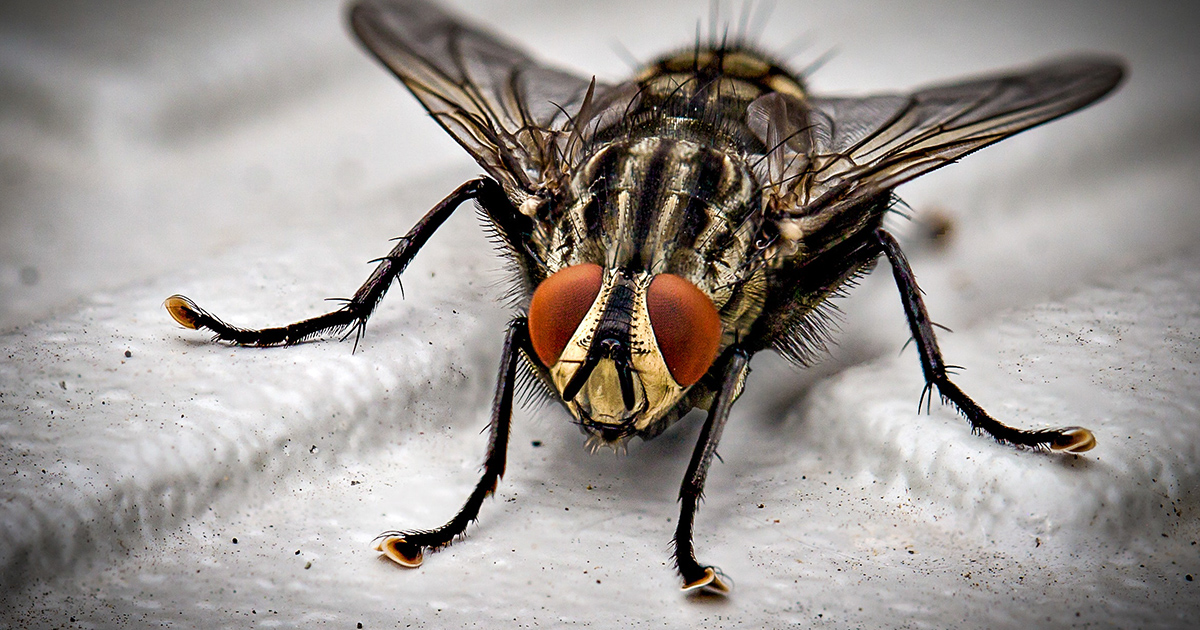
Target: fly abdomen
x,y
720,73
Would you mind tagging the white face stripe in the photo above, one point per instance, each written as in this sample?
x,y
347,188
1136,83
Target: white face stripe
x,y
600,401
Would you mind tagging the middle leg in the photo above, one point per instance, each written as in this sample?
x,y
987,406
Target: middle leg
x,y
697,576
406,548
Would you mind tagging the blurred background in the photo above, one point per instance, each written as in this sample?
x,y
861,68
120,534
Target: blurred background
x,y
250,155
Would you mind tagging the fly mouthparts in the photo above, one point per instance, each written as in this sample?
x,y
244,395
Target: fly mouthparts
x,y
619,446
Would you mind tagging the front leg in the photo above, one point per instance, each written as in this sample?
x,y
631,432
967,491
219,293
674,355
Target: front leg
x,y
1069,439
695,575
406,547
359,308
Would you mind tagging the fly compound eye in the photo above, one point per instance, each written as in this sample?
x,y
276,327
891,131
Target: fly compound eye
x,y
686,326
559,305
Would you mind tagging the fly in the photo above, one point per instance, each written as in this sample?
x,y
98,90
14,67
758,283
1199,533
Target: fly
x,y
669,227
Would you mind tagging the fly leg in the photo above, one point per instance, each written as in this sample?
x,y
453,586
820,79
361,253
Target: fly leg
x,y
695,575
406,548
1069,439
356,310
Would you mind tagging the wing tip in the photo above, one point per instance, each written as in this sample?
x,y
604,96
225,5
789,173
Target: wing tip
x,y
1092,74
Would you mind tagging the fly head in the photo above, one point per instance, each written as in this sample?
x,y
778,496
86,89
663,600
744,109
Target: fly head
x,y
622,347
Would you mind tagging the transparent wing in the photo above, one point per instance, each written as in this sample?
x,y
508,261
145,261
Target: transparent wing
x,y
837,152
502,106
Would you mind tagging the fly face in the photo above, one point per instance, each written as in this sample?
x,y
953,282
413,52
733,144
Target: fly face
x,y
638,346
669,227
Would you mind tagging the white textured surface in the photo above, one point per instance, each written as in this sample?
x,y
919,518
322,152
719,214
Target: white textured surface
x,y
248,156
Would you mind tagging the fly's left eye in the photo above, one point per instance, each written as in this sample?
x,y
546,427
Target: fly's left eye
x,y
559,305
686,326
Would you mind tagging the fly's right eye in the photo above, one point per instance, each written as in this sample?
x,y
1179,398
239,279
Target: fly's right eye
x,y
559,305
686,326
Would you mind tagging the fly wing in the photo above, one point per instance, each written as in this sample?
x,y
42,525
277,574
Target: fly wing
x,y
847,150
506,109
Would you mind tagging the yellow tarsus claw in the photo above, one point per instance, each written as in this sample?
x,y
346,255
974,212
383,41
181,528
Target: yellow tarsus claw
x,y
712,582
182,310
391,548
1078,440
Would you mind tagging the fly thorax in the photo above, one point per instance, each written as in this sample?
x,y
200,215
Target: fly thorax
x,y
663,203
622,347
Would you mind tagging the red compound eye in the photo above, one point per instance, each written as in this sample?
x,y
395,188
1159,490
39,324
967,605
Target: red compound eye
x,y
558,307
686,325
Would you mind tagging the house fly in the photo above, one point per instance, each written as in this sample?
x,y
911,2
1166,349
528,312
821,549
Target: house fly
x,y
668,227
